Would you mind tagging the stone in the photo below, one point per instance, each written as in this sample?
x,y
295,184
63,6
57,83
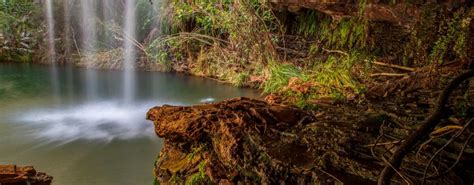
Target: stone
x,y
15,175
242,140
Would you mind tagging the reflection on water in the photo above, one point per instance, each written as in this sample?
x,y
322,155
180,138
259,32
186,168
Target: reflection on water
x,y
83,141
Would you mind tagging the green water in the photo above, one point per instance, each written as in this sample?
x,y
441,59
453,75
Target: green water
x,y
47,121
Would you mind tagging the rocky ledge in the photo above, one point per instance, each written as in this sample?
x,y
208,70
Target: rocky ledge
x,y
15,175
252,141
256,142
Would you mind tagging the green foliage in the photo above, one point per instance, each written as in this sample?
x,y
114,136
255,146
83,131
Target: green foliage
x,y
155,182
439,36
199,178
160,51
18,29
175,179
330,79
308,23
222,39
362,6
455,31
215,17
280,75
146,15
234,41
334,76
347,33
209,19
240,79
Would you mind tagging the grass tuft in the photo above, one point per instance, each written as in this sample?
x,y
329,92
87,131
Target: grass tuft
x,y
199,178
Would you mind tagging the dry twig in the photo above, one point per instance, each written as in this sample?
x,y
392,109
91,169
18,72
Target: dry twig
x,y
394,66
388,74
384,143
443,147
336,51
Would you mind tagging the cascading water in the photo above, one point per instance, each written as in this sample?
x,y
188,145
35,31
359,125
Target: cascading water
x,y
52,47
67,26
50,27
88,43
108,18
95,127
93,28
67,7
87,30
129,51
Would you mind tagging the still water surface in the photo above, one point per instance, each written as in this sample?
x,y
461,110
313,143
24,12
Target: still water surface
x,y
90,140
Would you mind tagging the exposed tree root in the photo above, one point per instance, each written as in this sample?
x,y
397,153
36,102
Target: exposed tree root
x,y
426,127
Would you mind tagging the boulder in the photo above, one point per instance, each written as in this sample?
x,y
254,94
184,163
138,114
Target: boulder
x,y
27,175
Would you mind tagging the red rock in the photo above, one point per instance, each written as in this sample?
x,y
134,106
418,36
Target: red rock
x,y
14,175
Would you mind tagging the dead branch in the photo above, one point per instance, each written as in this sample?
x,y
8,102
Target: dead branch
x,y
407,181
444,130
336,51
377,140
459,156
394,66
384,143
75,42
388,74
443,147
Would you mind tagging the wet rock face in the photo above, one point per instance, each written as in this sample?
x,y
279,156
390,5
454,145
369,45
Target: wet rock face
x,y
15,175
242,140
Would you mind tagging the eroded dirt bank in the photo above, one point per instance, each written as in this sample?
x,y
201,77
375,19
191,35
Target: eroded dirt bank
x,y
252,141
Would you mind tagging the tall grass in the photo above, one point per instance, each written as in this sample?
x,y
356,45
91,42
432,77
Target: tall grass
x,y
279,76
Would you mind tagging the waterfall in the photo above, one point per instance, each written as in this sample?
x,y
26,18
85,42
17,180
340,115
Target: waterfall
x,y
68,45
50,27
108,18
52,47
88,44
91,28
129,51
67,27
